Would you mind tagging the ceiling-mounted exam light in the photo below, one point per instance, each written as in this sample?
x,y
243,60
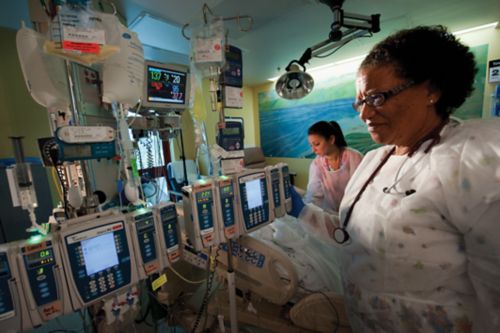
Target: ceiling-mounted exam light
x,y
296,83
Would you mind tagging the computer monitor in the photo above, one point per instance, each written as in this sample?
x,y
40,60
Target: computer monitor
x,y
166,87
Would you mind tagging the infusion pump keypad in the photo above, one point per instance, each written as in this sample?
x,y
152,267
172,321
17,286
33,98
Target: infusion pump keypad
x,y
275,185
100,260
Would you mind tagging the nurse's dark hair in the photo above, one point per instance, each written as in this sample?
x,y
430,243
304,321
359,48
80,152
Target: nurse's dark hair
x,y
429,54
326,129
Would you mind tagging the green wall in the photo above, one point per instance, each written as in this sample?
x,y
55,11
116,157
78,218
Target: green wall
x,y
19,114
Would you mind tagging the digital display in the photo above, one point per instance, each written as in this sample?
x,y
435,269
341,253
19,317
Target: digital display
x,y
75,151
165,85
254,193
99,253
38,256
231,131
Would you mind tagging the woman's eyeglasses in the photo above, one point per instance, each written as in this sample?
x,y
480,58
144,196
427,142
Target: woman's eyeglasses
x,y
378,99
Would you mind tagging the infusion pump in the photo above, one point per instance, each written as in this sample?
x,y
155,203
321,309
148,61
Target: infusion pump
x,y
169,232
144,232
199,214
254,197
98,257
13,311
225,208
41,278
279,178
221,208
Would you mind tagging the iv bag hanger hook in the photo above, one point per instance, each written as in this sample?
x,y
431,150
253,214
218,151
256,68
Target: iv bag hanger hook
x,y
206,11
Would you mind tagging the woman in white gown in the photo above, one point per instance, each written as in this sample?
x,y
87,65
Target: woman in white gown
x,y
419,224
333,166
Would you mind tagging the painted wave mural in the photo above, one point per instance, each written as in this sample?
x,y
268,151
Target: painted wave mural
x,y
284,123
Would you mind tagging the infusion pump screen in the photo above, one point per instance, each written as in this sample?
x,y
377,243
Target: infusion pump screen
x,y
93,250
100,260
253,193
166,86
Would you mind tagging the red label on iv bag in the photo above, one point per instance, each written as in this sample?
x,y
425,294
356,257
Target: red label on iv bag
x,y
81,47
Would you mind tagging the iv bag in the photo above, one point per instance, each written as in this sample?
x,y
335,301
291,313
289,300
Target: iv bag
x,y
123,73
45,75
208,47
82,35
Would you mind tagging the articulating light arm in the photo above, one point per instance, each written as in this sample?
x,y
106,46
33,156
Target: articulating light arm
x,y
295,83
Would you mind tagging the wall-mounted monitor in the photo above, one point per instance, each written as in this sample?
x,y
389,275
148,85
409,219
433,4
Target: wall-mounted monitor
x,y
166,87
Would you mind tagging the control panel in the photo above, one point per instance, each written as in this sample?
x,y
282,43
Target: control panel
x,y
254,192
226,208
285,184
97,254
42,279
169,231
274,178
231,135
145,240
199,214
12,301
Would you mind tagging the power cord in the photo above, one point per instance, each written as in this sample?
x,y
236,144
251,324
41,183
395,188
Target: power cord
x,y
210,278
337,316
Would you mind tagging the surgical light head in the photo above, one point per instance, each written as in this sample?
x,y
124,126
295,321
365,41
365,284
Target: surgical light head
x,y
296,83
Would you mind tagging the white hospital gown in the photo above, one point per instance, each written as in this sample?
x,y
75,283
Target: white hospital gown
x,y
326,187
428,261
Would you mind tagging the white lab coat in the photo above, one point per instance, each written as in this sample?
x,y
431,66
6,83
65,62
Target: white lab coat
x,y
326,187
428,261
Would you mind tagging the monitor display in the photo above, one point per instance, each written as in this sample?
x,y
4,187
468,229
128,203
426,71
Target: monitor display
x,y
99,253
253,193
166,87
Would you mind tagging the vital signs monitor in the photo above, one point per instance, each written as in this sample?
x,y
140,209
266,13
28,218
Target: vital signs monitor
x,y
98,257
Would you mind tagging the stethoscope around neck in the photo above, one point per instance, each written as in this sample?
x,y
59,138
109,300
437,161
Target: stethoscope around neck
x,y
340,234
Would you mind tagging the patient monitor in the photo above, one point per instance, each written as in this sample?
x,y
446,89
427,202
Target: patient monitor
x,y
42,279
97,255
254,193
199,214
12,300
145,242
227,217
169,232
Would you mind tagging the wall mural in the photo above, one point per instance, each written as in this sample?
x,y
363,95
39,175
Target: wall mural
x,y
284,123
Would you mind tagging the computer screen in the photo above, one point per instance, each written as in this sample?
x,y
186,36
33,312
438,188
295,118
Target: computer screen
x,y
166,87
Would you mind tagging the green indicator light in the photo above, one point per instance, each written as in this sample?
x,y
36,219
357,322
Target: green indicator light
x,y
35,239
